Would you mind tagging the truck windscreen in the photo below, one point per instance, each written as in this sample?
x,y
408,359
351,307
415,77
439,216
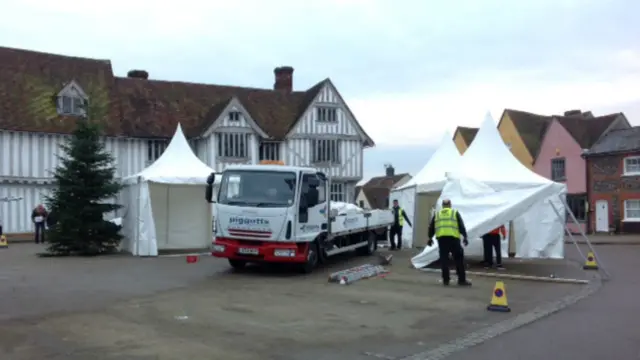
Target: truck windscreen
x,y
257,188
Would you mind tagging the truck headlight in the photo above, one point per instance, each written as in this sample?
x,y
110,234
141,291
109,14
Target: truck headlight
x,y
218,248
284,252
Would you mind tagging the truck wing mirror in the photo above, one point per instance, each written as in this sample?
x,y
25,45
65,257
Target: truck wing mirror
x,y
208,195
211,179
313,182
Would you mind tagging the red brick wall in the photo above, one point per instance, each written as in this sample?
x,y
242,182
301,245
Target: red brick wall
x,y
605,182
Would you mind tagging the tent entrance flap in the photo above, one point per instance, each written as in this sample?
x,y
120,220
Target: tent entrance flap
x,y
182,219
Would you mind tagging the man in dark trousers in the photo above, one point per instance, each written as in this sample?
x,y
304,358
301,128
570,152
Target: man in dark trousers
x,y
399,217
39,217
448,228
491,241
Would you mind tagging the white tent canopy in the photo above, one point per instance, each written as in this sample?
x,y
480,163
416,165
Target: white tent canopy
x,y
491,187
165,205
430,178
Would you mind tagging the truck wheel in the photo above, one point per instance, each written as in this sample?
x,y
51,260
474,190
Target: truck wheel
x,y
372,245
312,259
237,264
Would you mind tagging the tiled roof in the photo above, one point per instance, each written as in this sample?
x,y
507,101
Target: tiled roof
x,y
467,133
531,128
617,141
29,82
586,131
377,196
384,181
137,107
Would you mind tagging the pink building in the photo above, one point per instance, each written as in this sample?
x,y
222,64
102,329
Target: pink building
x,y
560,156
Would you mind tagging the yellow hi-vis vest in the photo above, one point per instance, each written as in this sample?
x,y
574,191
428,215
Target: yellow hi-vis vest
x,y
400,216
446,223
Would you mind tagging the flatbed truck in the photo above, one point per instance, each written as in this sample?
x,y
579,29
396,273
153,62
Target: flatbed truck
x,y
284,214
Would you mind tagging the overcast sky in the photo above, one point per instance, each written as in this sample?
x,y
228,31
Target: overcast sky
x,y
410,70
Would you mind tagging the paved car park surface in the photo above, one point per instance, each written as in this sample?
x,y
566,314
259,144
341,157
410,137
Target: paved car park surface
x,y
120,307
603,326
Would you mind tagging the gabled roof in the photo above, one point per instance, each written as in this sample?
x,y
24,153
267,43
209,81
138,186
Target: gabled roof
x,y
467,133
531,128
617,141
377,196
137,107
384,181
587,130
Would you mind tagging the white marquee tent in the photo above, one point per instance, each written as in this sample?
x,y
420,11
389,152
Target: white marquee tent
x,y
165,206
430,180
491,187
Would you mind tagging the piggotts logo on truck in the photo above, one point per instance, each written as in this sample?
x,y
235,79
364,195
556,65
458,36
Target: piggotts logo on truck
x,y
237,220
249,227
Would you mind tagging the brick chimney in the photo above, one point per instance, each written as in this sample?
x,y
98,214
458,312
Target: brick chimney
x,y
284,78
572,112
138,74
390,170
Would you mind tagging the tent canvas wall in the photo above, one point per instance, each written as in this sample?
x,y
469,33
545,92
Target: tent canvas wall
x,y
420,194
165,205
491,187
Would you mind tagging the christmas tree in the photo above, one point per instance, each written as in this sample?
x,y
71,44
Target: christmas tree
x,y
85,187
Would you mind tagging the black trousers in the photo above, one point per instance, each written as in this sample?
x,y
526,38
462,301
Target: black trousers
x,y
451,245
39,232
395,230
491,242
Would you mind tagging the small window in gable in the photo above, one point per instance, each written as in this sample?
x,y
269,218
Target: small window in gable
x,y
234,116
327,114
71,105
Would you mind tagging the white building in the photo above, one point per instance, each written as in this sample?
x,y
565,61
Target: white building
x,y
225,124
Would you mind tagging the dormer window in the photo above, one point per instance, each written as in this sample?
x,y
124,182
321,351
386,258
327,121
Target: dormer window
x,y
70,105
234,116
71,100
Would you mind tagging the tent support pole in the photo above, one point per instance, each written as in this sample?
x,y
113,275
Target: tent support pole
x,y
566,229
166,226
575,242
584,236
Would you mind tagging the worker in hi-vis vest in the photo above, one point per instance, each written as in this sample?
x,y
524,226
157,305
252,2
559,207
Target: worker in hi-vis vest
x,y
448,228
399,217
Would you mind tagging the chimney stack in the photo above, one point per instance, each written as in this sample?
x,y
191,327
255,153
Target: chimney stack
x,y
138,74
572,112
390,170
284,78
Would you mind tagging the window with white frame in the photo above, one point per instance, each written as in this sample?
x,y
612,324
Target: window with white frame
x,y
337,191
558,172
326,151
632,210
232,145
71,105
155,148
327,114
269,151
234,116
632,165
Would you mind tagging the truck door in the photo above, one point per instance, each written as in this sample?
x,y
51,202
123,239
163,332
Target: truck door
x,y
312,222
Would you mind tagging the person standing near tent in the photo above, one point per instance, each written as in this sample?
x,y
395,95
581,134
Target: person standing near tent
x,y
448,227
39,216
399,217
491,241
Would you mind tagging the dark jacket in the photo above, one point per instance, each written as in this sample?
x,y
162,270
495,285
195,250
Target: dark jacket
x,y
396,216
36,212
461,228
